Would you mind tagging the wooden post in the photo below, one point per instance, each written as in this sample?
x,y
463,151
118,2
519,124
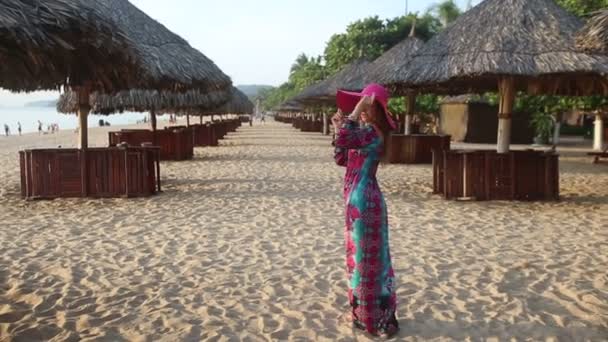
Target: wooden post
x,y
325,124
84,108
187,120
598,134
201,118
506,93
409,115
83,113
153,120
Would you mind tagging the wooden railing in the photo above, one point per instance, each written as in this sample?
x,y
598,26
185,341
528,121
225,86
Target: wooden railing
x,y
95,172
488,175
174,143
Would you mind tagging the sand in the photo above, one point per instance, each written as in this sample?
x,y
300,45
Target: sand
x,y
245,243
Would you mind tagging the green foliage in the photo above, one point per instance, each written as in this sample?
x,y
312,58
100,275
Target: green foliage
x,y
447,11
543,125
371,37
583,7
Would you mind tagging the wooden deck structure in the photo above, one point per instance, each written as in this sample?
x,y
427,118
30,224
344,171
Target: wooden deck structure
x,y
175,143
488,175
305,124
415,148
112,172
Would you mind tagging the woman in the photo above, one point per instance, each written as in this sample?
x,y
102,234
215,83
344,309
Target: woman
x,y
360,145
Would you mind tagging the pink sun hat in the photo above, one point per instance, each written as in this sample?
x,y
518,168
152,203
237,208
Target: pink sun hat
x,y
347,100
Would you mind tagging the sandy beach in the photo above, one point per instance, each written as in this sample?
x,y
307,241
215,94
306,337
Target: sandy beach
x,y
246,243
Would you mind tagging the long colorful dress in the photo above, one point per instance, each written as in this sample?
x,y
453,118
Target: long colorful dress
x,y
371,280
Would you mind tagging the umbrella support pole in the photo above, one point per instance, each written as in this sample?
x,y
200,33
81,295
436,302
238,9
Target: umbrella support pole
x,y
598,134
409,115
506,89
83,139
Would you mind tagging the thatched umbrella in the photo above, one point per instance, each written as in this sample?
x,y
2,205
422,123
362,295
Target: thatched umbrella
x,y
166,61
507,45
45,45
238,104
382,70
137,100
351,78
593,37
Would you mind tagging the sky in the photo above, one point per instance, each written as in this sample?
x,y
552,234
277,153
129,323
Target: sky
x,y
255,42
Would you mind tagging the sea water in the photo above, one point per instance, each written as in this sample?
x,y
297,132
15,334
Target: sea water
x,y
29,116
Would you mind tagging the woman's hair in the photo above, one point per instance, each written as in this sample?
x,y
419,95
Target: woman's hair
x,y
379,119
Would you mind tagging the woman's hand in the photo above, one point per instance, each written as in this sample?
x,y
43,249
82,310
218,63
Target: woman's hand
x,y
337,120
364,105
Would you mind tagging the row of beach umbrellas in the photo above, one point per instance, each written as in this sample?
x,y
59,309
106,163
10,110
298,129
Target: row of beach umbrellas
x,y
533,46
110,57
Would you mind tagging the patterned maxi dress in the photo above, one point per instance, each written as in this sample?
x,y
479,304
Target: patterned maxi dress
x,y
371,280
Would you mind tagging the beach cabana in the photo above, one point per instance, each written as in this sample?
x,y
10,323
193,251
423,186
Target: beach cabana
x,y
323,93
405,146
593,38
159,60
505,46
47,45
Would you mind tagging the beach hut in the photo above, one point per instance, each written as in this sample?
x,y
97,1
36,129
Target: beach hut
x,y
505,46
471,119
593,38
323,93
158,59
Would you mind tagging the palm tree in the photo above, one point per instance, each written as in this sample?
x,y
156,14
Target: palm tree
x,y
300,62
447,11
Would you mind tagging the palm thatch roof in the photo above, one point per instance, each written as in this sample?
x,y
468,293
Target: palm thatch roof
x,y
167,60
138,100
593,37
352,77
162,59
382,70
530,40
45,45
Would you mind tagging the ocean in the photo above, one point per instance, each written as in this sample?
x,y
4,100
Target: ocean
x,y
29,116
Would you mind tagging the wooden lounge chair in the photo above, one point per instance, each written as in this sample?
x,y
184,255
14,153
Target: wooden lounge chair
x,y
597,156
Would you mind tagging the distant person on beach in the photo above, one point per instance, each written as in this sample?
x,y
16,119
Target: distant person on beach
x,y
360,146
263,119
39,127
7,130
19,127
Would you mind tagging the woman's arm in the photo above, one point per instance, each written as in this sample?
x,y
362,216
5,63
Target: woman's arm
x,y
350,136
